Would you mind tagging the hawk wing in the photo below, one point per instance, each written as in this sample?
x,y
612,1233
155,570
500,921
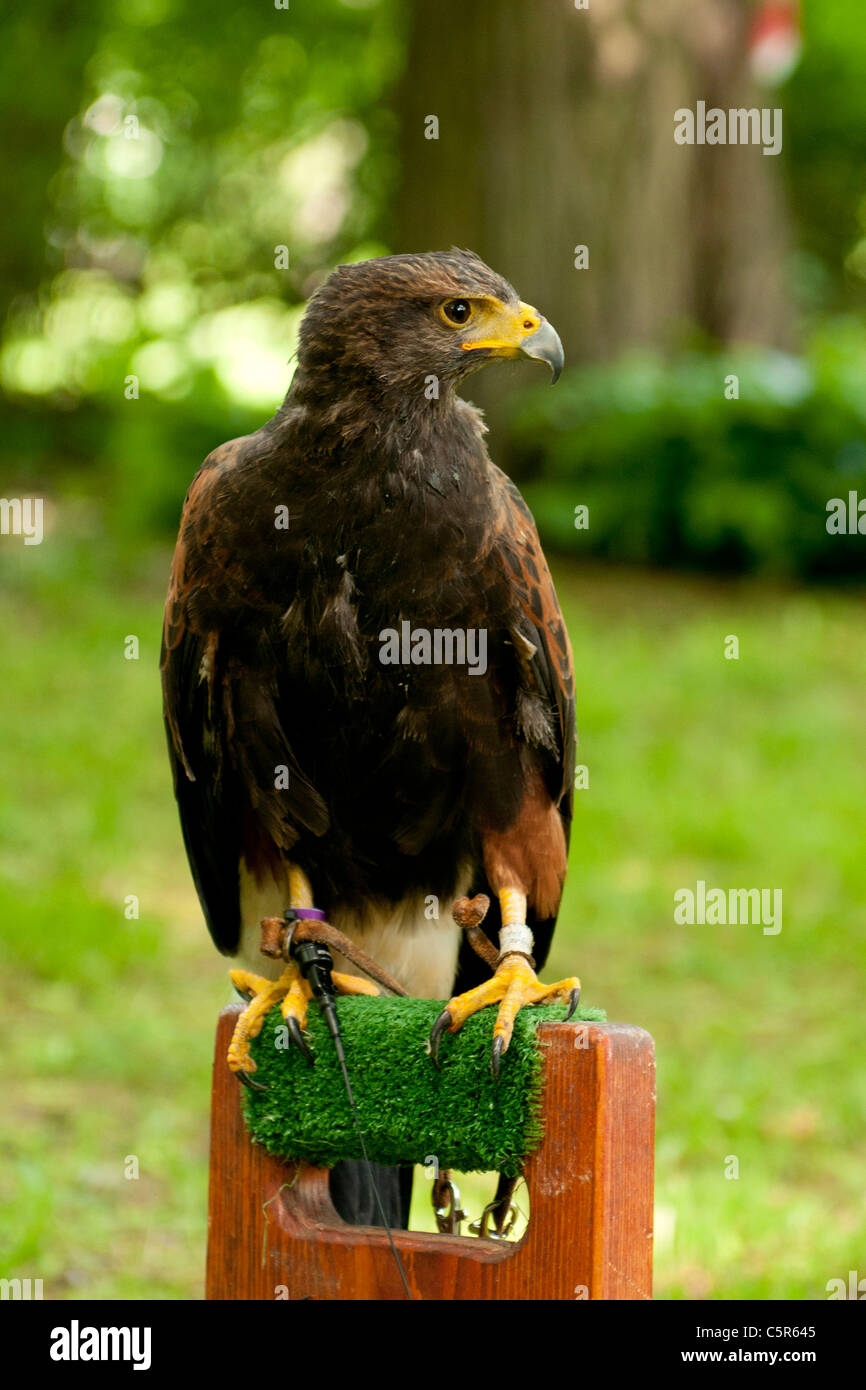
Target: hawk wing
x,y
540,627
540,639
224,709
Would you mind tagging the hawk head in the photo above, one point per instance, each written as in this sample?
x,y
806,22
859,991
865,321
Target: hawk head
x,y
397,321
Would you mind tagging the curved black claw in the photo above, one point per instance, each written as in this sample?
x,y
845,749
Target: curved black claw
x,y
299,1040
443,1021
573,1001
496,1052
246,1080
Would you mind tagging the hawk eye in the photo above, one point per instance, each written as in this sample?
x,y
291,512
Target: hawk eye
x,y
457,310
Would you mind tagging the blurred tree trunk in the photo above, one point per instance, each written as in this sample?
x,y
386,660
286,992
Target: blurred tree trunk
x,y
556,129
42,58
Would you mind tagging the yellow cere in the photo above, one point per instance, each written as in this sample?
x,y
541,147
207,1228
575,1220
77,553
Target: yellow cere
x,y
500,329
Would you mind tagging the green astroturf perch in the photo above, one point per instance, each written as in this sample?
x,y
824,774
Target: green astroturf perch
x,y
410,1112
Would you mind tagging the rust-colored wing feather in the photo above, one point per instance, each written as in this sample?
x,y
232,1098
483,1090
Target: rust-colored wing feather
x,y
543,650
540,627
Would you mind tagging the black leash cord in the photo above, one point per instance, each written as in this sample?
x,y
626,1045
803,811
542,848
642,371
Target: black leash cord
x,y
316,965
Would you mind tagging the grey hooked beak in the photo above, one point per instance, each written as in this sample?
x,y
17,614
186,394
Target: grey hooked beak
x,y
544,345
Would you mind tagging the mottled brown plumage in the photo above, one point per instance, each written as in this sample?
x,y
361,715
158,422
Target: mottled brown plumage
x,y
400,777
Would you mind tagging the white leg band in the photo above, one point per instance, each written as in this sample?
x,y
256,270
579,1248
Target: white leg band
x,y
515,938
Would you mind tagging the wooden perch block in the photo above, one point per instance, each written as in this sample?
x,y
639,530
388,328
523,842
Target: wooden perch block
x,y
272,1225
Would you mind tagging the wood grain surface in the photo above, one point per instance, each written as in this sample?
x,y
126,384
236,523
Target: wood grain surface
x,y
273,1231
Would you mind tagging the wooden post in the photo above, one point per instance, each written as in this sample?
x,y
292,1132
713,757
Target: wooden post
x,y
273,1231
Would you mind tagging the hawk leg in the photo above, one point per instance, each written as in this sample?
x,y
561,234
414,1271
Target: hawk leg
x,y
514,985
290,991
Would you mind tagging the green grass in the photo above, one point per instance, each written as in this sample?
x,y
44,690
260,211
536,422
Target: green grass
x,y
745,773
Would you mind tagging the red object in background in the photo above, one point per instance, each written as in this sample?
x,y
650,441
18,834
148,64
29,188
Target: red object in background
x,y
775,41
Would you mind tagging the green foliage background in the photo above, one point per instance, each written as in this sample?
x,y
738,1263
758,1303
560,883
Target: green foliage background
x,y
156,258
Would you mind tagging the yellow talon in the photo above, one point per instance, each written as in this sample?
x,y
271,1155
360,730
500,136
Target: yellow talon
x,y
353,984
513,986
292,993
295,1003
266,993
